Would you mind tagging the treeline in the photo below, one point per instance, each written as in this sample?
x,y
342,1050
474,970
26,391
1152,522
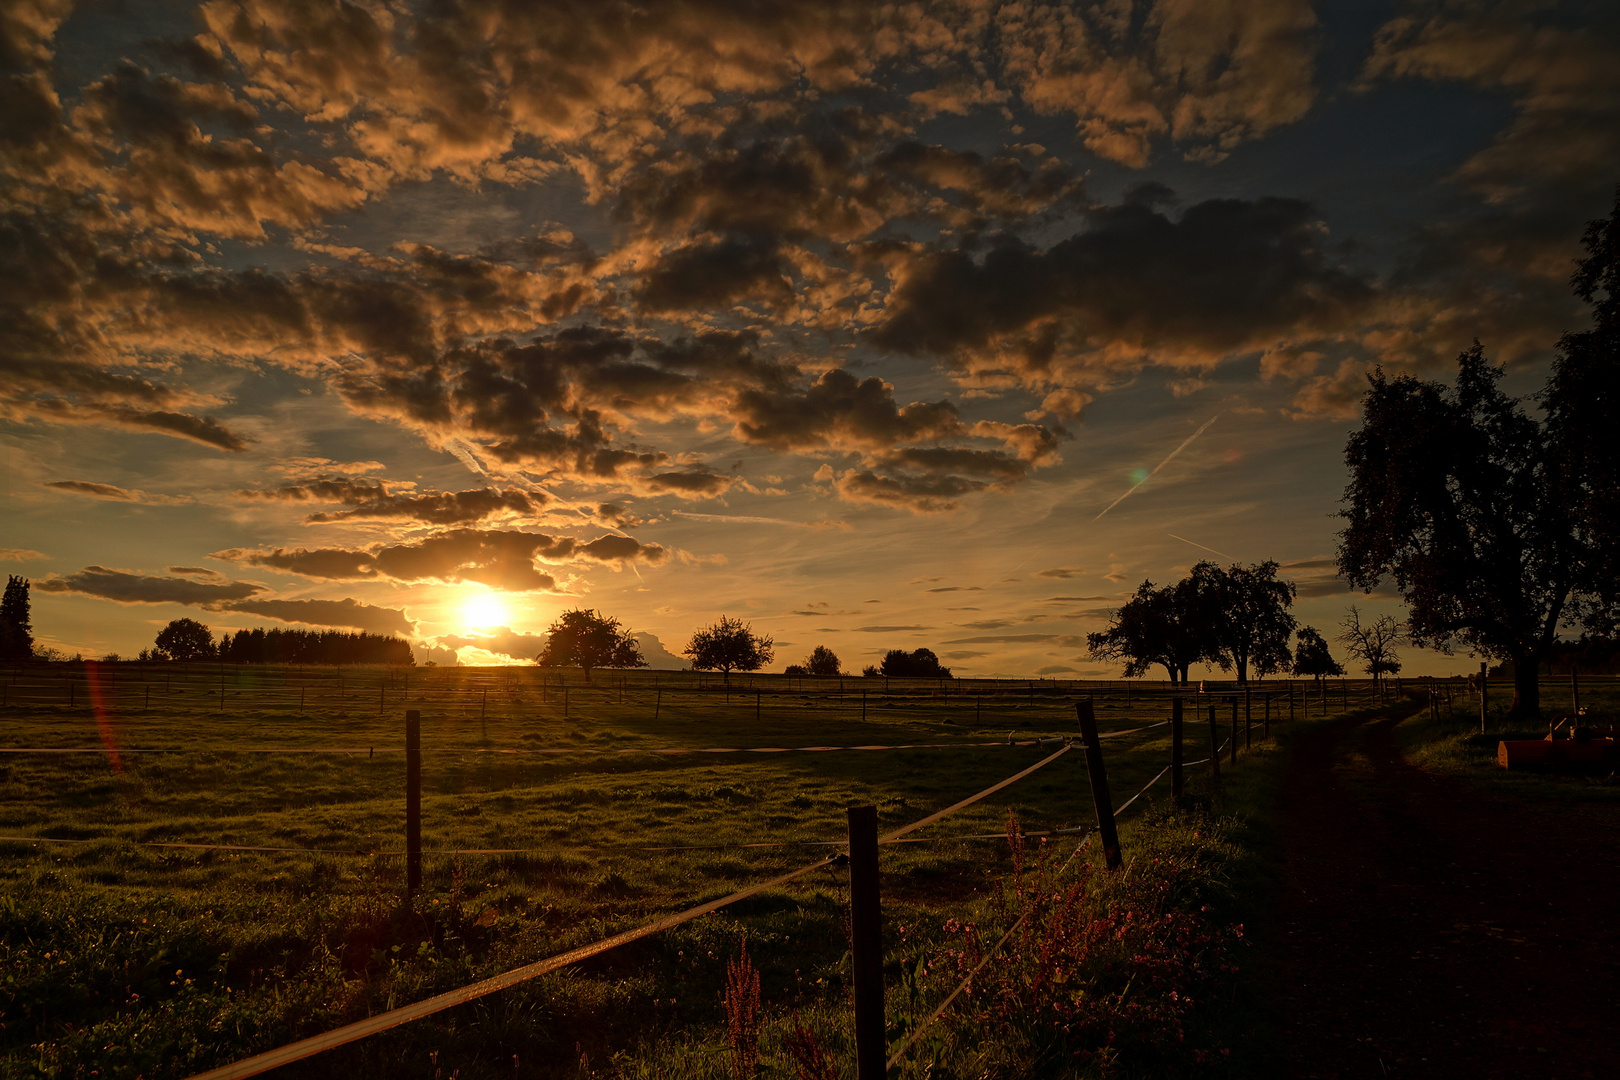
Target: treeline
x,y
188,639
1588,656
277,646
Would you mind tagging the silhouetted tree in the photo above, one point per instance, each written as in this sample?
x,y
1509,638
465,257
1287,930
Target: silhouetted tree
x,y
917,664
1311,655
185,639
1582,401
822,661
1165,626
1247,617
16,625
584,639
1451,494
1372,643
729,645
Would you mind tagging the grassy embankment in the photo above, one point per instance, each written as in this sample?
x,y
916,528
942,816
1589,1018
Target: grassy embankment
x,y
125,960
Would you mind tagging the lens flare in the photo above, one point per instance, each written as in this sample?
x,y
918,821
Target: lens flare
x,y
100,692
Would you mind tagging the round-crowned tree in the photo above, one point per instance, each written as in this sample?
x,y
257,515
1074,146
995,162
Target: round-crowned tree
x,y
729,645
586,639
822,661
185,639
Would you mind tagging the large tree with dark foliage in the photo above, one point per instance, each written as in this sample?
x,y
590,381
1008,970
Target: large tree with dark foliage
x,y
185,639
1247,615
1312,656
729,645
1496,527
917,664
1582,401
16,625
585,639
1165,626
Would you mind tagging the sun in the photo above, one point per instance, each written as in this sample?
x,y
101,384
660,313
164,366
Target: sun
x,y
484,609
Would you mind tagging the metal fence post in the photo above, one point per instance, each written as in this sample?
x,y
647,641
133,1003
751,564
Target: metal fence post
x,y
866,944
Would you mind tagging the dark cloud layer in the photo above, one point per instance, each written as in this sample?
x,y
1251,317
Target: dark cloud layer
x,y
1228,275
127,588
500,559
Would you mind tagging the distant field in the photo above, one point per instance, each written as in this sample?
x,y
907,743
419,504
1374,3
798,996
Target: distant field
x,y
163,961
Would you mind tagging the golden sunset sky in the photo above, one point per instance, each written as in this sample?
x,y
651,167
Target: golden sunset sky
x,y
852,320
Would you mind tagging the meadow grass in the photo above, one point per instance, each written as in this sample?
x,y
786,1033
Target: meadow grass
x,y
1453,745
124,960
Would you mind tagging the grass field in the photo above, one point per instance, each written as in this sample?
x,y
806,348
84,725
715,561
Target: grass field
x,y
121,959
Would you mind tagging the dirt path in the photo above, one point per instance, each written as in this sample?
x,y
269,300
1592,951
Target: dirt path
x,y
1430,930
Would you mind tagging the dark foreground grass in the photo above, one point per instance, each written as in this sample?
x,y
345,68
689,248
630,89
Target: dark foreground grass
x,y
118,959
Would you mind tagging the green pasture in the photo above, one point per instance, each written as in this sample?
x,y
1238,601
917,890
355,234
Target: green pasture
x,y
120,959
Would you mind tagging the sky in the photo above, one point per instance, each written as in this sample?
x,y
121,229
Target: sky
x,y
876,326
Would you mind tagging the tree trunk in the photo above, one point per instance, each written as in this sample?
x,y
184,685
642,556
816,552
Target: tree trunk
x,y
1526,687
1243,672
1171,670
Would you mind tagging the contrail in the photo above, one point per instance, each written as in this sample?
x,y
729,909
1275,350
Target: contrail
x,y
1187,442
1211,550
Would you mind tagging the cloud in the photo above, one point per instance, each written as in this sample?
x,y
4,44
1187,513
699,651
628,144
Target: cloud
x,y
1068,641
442,507
497,558
346,612
503,640
113,492
19,554
958,588
126,588
1208,76
888,629
920,495
657,655
1055,669
1061,572
695,483
1229,275
334,563
842,411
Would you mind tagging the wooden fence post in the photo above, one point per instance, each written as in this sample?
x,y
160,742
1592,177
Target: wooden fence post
x,y
1574,691
380,688
658,701
1214,746
1248,718
863,706
1175,748
1266,732
1099,784
565,701
413,801
1484,694
1291,700
1233,760
756,706
866,944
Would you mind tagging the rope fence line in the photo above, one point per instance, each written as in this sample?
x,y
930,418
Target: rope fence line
x,y
306,1048
999,744
397,852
